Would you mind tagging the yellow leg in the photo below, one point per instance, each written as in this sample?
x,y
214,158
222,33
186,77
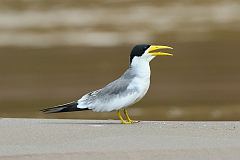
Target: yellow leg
x,y
122,120
128,118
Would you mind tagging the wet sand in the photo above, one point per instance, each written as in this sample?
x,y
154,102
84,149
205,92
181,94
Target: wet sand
x,y
107,139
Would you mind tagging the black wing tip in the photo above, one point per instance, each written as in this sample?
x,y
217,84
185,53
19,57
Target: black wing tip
x,y
45,111
68,107
58,108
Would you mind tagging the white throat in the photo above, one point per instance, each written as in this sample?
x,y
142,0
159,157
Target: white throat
x,y
141,67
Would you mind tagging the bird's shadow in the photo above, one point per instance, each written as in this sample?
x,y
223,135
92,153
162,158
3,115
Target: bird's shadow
x,y
84,123
81,123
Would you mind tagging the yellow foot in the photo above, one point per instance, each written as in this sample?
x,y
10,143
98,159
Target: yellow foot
x,y
132,121
126,122
129,122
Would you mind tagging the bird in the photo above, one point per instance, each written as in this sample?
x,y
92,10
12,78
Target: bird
x,y
123,92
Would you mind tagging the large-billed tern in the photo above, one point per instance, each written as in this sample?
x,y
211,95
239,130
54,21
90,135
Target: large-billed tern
x,y
123,92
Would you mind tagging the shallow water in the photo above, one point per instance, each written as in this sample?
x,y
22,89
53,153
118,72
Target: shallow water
x,y
187,86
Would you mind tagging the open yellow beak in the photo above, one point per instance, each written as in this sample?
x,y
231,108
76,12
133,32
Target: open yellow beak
x,y
154,50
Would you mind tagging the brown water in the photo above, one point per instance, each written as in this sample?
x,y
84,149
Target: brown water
x,y
54,52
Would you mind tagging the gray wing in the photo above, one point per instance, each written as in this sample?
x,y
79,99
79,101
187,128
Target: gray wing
x,y
113,89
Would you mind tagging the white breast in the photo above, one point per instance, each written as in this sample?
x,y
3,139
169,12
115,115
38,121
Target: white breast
x,y
142,81
142,85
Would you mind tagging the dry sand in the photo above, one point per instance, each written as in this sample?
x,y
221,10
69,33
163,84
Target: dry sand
x,y
97,139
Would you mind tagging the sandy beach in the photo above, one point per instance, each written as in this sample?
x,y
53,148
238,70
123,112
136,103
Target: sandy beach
x,y
107,139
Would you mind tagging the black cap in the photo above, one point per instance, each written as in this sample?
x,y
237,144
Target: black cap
x,y
138,50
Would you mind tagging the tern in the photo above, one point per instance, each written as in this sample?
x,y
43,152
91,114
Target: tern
x,y
125,91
